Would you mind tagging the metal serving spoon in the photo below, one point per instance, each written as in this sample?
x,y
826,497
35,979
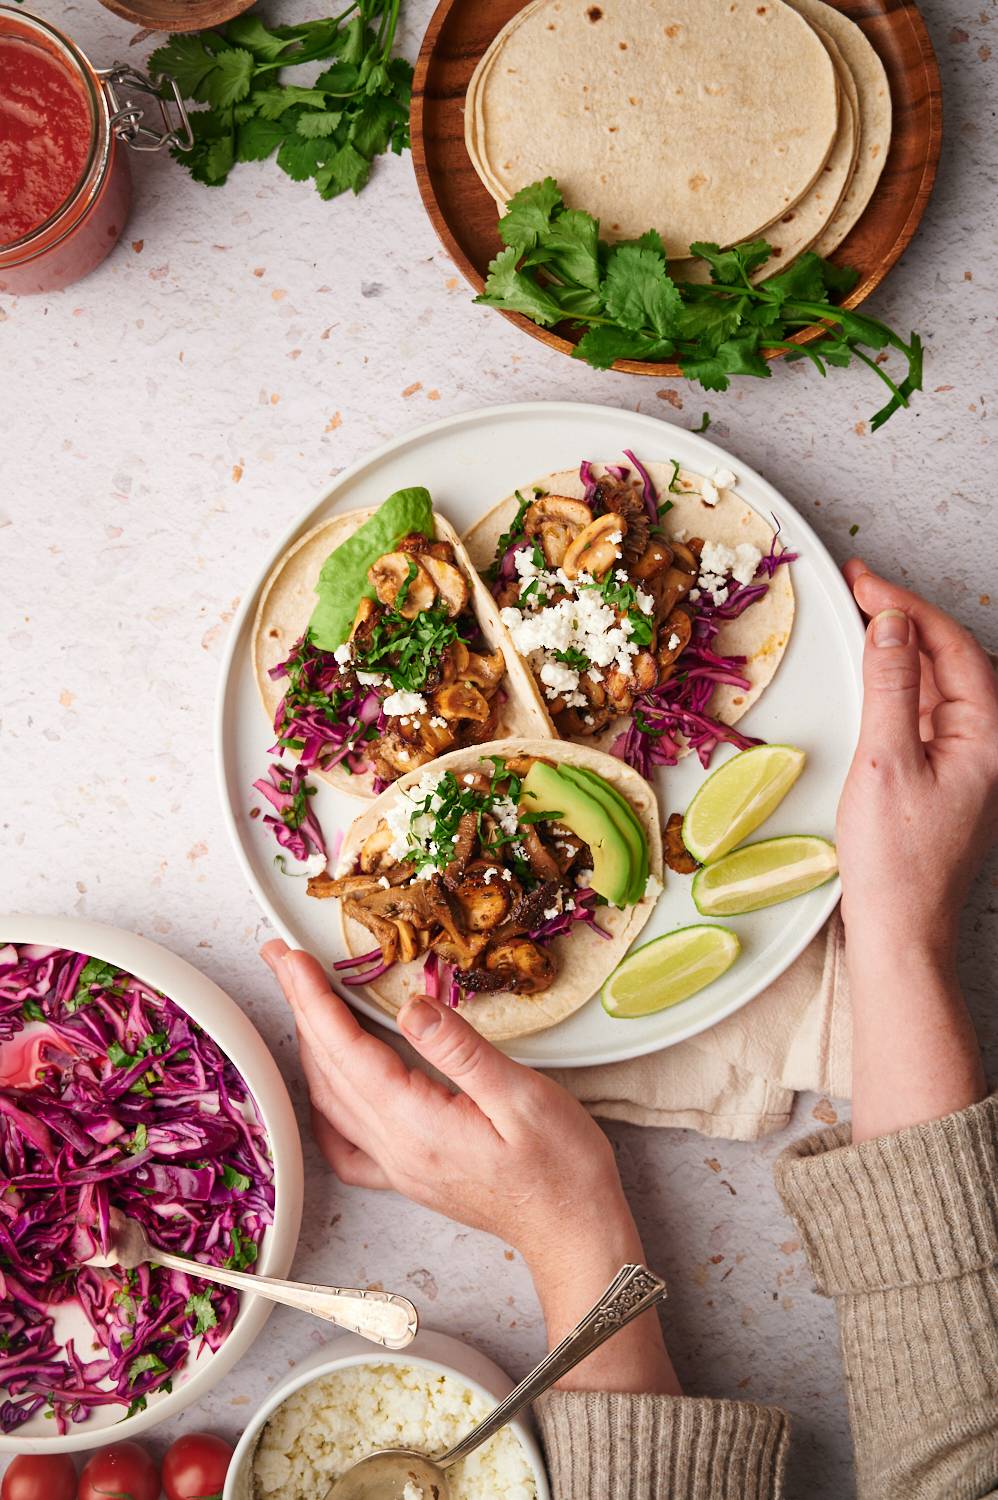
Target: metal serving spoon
x,y
383,1317
384,1475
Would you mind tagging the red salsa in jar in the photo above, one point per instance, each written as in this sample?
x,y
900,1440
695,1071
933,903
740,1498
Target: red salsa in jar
x,y
65,188
45,129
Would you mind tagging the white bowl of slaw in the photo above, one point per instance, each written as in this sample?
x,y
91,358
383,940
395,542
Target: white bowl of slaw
x,y
218,1015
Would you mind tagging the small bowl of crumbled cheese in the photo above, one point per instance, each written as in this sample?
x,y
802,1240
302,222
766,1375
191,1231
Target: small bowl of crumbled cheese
x,y
347,1400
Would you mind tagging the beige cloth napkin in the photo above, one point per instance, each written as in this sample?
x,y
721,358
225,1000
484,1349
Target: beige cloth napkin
x,y
738,1080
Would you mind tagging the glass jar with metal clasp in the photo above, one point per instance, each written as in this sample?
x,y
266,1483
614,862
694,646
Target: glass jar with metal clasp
x,y
65,185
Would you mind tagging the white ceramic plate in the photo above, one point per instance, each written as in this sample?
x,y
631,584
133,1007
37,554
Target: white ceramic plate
x,y
468,463
212,1008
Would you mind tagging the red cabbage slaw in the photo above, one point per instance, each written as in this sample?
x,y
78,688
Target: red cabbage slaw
x,y
675,714
126,1103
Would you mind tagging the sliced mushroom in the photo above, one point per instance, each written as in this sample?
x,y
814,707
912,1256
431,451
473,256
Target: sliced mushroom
x,y
654,560
460,949
460,700
408,941
450,583
592,551
673,585
619,690
366,612
526,968
577,723
464,848
644,669
559,510
453,661
385,933
436,738
485,671
519,765
478,732
393,757
390,572
483,897
374,850
324,886
417,543
541,860
565,847
677,856
673,638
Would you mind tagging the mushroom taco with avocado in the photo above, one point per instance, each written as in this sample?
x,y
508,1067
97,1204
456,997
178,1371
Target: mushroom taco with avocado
x,y
509,879
651,604
376,648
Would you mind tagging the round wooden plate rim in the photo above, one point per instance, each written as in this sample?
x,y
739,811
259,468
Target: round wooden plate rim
x,y
159,17
897,10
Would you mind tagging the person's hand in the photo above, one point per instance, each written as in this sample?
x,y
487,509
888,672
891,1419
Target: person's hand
x,y
920,805
511,1153
918,813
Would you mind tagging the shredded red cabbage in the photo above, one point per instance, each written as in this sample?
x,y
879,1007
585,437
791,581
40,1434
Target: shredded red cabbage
x,y
296,827
321,717
110,1095
647,488
584,911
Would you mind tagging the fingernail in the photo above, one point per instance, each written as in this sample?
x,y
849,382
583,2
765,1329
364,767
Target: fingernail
x,y
890,628
419,1018
272,953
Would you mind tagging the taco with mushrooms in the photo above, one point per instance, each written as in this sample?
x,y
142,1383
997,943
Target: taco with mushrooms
x,y
376,649
652,605
507,878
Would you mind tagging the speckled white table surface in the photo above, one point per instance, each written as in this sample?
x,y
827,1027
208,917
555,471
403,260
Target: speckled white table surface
x,y
164,420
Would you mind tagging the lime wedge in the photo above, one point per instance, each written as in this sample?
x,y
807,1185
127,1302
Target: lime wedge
x,y
763,874
668,970
737,797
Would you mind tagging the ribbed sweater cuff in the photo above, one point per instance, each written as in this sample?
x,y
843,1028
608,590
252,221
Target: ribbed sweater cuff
x,y
645,1447
902,1210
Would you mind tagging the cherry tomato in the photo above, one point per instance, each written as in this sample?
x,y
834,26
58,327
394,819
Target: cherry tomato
x,y
122,1472
195,1467
39,1476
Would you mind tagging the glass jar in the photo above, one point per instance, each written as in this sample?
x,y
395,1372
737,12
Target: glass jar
x,y
65,185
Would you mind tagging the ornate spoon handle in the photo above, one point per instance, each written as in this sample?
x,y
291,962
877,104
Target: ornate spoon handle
x,y
383,1317
631,1293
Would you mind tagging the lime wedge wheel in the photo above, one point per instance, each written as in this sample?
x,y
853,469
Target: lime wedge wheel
x,y
763,874
670,969
737,797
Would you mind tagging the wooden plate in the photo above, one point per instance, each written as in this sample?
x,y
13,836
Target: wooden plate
x,y
464,215
169,15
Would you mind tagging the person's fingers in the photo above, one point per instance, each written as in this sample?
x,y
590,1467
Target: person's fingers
x,y
446,1040
891,686
334,1031
351,1165
272,952
961,669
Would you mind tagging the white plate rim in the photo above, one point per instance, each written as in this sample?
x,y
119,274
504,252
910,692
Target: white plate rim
x,y
215,1011
706,455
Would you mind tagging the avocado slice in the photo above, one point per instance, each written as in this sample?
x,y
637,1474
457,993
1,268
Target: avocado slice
x,y
548,792
622,814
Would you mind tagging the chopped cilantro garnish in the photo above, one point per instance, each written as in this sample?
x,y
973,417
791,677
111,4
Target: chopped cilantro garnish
x,y
143,1365
32,1011
512,535
238,1181
199,1307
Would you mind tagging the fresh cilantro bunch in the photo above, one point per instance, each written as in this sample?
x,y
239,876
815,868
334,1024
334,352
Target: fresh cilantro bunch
x,y
555,268
331,130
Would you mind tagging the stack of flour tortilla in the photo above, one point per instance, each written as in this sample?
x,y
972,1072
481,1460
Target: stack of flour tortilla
x,y
717,120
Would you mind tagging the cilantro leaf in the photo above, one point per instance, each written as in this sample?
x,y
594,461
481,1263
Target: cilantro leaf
x,y
301,158
238,1181
271,103
516,291
185,58
200,1309
529,213
229,80
345,169
250,32
570,250
601,346
638,292
258,138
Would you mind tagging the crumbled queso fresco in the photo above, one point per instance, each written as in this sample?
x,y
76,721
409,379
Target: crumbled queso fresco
x,y
718,561
582,622
321,1430
412,823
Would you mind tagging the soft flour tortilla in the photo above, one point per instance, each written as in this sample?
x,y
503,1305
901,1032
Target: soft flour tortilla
x,y
584,960
874,91
286,606
705,119
760,634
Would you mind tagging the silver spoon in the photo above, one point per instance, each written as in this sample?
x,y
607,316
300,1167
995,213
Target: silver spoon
x,y
383,1317
384,1475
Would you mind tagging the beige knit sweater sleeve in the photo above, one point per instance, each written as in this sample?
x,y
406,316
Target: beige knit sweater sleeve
x,y
903,1232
